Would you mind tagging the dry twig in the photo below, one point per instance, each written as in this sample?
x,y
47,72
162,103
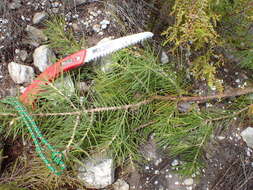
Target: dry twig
x,y
199,99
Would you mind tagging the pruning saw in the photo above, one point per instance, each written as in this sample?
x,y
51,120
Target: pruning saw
x,y
78,59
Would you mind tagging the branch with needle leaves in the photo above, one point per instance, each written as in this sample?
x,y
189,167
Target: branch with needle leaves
x,y
198,99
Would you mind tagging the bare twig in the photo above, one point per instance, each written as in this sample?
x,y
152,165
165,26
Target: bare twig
x,y
227,94
74,133
229,116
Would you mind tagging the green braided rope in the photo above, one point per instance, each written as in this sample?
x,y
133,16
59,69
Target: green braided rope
x,y
37,137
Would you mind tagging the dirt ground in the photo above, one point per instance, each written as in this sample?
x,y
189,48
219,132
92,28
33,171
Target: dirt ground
x,y
229,163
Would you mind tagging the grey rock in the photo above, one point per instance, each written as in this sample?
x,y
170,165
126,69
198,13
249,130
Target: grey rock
x,y
20,73
39,17
83,87
188,182
43,57
247,136
186,106
35,36
97,172
120,185
14,4
23,55
164,58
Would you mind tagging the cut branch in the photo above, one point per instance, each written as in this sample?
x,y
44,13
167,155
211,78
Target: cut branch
x,y
227,94
199,99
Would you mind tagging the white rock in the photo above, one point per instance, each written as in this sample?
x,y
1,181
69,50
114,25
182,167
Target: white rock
x,y
20,73
22,89
97,172
120,185
247,136
43,57
175,163
105,22
188,181
220,138
94,14
39,17
104,26
164,58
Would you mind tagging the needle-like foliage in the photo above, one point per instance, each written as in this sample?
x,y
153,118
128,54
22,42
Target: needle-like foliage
x,y
61,38
110,117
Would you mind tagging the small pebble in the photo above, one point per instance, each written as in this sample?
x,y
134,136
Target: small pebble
x,y
174,163
188,181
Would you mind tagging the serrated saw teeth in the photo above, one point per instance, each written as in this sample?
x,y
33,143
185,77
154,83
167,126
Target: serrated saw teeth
x,y
111,46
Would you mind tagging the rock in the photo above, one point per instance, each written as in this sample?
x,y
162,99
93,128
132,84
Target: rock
x,y
83,87
184,107
175,163
247,136
20,73
96,28
35,36
220,138
14,4
188,181
164,58
23,55
106,22
104,26
43,57
120,185
97,172
39,17
22,89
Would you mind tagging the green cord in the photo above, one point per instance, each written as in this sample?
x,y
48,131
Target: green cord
x,y
56,157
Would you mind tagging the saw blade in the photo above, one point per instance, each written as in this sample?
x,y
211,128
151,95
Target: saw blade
x,y
111,46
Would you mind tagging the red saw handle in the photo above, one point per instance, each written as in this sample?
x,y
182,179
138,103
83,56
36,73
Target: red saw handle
x,y
50,74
